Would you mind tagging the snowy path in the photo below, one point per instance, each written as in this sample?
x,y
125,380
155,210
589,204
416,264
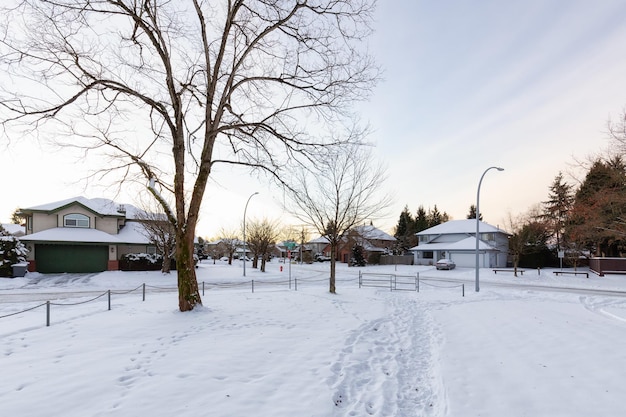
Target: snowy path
x,y
388,366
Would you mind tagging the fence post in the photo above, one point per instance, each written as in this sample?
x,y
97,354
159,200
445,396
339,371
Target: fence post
x,y
390,282
47,313
418,281
360,279
144,292
295,280
109,297
463,289
252,285
203,288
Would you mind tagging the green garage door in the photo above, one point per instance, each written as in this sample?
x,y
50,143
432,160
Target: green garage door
x,y
71,258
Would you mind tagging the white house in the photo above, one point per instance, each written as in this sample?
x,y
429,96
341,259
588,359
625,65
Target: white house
x,y
456,240
82,235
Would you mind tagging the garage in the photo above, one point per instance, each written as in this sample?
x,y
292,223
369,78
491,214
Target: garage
x,y
71,258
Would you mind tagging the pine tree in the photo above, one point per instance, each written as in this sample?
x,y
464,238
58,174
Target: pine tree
x,y
434,217
596,221
405,230
472,213
421,220
358,258
557,209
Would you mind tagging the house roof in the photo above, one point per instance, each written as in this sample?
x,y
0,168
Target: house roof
x,y
460,226
371,232
101,206
14,229
133,232
321,239
72,234
467,244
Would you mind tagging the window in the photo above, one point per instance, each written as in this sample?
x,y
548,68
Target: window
x,y
75,220
151,250
428,255
489,237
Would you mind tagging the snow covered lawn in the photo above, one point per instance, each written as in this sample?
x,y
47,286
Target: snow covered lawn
x,y
279,352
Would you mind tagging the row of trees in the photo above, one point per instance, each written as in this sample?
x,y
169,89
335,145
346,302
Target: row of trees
x,y
408,225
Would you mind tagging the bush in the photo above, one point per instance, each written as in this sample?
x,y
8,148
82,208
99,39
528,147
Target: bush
x,y
141,262
12,251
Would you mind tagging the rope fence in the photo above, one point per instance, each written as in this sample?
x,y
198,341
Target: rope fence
x,y
392,281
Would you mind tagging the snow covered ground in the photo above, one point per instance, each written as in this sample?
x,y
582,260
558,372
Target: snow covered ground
x,y
530,350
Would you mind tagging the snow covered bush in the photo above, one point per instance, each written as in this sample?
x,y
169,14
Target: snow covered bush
x,y
141,262
12,251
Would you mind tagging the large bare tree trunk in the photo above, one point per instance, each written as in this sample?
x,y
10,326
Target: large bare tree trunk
x,y
188,293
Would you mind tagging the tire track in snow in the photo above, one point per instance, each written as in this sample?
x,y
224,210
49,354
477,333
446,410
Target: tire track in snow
x,y
599,306
388,366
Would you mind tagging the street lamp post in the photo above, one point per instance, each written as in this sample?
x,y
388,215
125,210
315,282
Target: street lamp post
x,y
478,222
244,232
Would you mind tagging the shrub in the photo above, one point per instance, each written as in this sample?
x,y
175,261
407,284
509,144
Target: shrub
x,y
12,251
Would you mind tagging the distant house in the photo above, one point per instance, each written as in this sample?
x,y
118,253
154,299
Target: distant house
x,y
82,235
319,246
374,242
456,240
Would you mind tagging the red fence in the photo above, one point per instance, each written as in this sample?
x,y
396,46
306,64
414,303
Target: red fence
x,y
603,266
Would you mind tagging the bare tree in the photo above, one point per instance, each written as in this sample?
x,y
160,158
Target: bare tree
x,y
168,90
262,235
230,241
338,193
161,233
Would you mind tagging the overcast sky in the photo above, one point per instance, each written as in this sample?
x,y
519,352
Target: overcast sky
x,y
527,86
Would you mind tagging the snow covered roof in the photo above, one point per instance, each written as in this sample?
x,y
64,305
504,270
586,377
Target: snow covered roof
x,y
72,234
370,232
321,239
460,226
14,229
102,206
467,244
133,232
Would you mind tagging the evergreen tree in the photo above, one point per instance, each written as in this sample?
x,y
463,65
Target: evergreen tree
x,y
434,217
557,209
472,213
405,230
421,220
596,219
358,257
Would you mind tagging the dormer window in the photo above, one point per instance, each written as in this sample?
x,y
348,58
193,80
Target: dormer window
x,y
76,220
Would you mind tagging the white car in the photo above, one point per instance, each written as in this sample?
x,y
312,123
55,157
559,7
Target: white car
x,y
445,264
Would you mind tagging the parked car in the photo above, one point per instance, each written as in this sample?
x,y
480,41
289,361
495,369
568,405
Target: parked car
x,y
321,258
445,264
224,259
